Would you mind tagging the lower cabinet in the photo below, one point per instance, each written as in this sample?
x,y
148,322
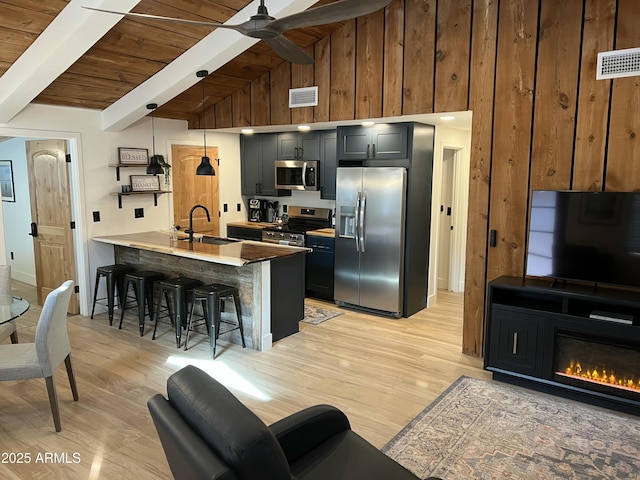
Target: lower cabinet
x,y
319,273
516,340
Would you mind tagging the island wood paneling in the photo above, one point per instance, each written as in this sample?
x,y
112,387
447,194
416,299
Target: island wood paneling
x,y
369,54
540,118
452,56
593,98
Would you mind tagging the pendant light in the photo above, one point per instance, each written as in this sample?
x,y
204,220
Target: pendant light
x,y
154,167
205,167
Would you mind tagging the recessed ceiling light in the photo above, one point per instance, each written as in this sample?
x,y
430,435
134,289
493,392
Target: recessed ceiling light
x,y
368,123
247,131
447,117
304,128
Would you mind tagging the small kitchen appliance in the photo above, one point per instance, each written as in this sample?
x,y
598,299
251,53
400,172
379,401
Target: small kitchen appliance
x,y
301,220
257,210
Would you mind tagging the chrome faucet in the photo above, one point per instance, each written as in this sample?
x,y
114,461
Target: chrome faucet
x,y
190,231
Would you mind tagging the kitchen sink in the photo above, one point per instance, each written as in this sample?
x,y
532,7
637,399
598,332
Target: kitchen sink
x,y
210,240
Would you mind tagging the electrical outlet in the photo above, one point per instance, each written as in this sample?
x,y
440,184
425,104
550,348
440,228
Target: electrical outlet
x,y
138,213
12,256
96,216
238,207
225,208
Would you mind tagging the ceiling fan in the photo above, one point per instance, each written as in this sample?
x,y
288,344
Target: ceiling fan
x,y
269,29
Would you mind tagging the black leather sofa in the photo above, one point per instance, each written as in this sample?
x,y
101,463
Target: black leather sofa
x,y
207,433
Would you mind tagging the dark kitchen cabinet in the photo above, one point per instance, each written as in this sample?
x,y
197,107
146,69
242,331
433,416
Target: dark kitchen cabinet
x,y
298,146
319,267
257,156
328,165
381,142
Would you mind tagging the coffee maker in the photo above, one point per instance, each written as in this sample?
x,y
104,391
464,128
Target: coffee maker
x,y
257,210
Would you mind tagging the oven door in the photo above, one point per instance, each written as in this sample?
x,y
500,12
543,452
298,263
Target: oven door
x,y
296,175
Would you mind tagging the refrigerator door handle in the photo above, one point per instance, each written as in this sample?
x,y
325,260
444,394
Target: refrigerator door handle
x,y
363,211
357,221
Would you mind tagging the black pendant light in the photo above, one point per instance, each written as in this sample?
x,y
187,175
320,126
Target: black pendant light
x,y
205,167
154,167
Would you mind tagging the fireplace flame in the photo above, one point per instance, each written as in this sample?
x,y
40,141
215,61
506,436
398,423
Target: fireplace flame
x,y
599,375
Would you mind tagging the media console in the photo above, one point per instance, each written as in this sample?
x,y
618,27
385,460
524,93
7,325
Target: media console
x,y
577,341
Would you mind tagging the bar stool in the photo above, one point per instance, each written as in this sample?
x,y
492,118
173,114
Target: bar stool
x,y
177,288
114,275
210,298
142,283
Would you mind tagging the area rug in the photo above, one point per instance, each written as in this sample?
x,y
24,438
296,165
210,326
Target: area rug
x,y
486,430
315,315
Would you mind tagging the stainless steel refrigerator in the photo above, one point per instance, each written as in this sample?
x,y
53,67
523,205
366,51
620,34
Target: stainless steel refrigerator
x,y
370,231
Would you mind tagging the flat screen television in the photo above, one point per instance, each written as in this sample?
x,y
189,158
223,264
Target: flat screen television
x,y
585,236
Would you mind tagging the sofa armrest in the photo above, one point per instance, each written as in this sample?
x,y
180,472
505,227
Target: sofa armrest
x,y
303,431
188,456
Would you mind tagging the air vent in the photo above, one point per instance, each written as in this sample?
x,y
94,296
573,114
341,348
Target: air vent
x,y
303,97
618,63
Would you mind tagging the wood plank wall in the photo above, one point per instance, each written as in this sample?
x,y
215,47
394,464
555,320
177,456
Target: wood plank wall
x,y
526,68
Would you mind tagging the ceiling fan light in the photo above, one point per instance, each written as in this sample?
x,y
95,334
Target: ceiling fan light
x,y
205,167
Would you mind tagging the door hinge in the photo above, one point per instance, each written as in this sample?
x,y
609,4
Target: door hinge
x,y
73,225
67,158
76,289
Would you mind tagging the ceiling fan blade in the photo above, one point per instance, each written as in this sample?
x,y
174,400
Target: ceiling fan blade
x,y
289,51
333,12
170,19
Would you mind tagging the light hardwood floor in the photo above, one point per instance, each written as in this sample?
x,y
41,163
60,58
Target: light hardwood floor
x,y
382,372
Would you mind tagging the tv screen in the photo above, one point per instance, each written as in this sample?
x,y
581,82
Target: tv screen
x,y
585,236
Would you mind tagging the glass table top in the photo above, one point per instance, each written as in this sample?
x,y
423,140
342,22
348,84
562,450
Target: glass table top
x,y
10,312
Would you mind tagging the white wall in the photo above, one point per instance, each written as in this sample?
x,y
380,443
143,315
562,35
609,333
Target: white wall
x,y
92,179
17,216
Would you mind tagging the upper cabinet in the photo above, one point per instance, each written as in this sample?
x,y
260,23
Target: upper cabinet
x,y
258,153
381,142
328,164
298,146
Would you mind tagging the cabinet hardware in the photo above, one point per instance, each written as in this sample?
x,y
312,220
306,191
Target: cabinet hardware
x,y
515,343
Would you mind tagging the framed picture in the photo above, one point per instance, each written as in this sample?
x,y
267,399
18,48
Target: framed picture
x,y
6,181
145,183
133,156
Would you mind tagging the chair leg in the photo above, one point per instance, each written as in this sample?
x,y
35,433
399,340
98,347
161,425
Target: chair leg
x,y
155,319
123,307
72,378
236,301
53,401
95,295
14,337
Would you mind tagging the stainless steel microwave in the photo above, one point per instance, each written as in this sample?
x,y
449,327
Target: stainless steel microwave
x,y
297,175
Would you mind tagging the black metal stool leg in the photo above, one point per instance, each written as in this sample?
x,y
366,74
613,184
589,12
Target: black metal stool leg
x,y
95,294
111,285
158,306
236,302
124,303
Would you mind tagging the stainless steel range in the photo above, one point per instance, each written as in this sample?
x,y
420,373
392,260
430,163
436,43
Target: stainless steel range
x,y
301,220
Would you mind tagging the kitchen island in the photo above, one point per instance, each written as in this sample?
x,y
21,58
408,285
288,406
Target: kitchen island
x,y
270,278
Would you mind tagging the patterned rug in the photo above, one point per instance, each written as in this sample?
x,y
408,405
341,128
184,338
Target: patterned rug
x,y
315,315
487,430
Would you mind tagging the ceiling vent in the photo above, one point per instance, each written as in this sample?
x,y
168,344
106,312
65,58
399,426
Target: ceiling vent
x,y
303,97
618,63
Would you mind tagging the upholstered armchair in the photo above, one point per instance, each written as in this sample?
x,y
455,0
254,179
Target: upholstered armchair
x,y
207,433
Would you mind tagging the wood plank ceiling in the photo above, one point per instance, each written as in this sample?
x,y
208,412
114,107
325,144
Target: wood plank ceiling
x,y
136,49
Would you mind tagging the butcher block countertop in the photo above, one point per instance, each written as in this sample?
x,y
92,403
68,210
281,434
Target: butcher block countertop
x,y
235,253
323,232
256,225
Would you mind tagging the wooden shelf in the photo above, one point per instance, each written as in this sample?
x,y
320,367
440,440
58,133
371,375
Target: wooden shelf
x,y
117,166
126,194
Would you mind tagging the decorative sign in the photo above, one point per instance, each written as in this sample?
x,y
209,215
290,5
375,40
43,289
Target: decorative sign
x,y
133,156
145,183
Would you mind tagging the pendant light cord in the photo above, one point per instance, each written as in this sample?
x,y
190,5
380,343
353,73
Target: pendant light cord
x,y
204,122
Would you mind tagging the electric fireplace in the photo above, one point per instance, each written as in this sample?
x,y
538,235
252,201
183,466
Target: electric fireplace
x,y
610,366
